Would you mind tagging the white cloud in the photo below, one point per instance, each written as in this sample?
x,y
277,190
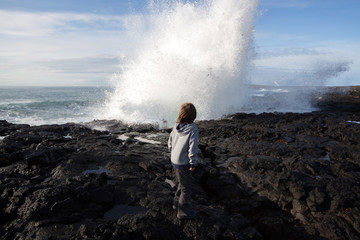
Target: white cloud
x,y
333,64
42,23
67,48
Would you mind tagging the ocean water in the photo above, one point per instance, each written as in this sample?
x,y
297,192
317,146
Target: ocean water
x,y
51,105
58,105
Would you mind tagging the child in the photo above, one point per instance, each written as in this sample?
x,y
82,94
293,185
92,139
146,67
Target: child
x,y
183,145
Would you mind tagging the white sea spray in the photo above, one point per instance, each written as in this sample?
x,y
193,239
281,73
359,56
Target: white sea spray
x,y
190,52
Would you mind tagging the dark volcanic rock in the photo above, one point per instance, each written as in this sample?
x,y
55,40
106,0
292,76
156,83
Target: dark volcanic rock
x,y
266,176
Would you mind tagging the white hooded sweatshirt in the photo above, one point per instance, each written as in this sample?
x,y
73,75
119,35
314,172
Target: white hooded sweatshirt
x,y
183,145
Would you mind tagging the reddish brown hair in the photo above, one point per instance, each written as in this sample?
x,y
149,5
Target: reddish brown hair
x,y
187,113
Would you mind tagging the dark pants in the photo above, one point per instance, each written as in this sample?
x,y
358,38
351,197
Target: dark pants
x,y
183,192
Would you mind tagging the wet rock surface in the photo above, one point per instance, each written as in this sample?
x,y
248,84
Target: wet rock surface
x,y
266,176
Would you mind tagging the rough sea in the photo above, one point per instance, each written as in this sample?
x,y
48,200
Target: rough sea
x,y
58,105
51,105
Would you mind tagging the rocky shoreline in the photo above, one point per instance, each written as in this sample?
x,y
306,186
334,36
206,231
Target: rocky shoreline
x,y
266,176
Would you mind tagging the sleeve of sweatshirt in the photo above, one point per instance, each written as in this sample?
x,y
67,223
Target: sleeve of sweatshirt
x,y
193,147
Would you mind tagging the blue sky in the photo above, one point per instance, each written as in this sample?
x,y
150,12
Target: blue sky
x,y
318,38
83,42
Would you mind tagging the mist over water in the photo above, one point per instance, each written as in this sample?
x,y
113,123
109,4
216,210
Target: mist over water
x,y
191,52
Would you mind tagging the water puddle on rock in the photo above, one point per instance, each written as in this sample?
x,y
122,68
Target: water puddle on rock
x,y
123,137
353,122
98,171
48,179
3,137
141,139
67,137
118,211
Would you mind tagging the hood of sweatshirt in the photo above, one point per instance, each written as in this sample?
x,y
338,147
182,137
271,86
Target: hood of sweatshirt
x,y
184,129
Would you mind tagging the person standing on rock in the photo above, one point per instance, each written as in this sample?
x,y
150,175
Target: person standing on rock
x,y
183,145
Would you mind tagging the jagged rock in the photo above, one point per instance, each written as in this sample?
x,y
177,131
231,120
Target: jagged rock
x,y
266,176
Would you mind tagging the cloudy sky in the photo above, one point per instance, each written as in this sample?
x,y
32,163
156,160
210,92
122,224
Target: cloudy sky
x,y
83,42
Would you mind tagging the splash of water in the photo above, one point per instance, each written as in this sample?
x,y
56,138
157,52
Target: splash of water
x,y
190,52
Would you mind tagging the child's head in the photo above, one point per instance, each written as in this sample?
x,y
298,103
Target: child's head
x,y
187,113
